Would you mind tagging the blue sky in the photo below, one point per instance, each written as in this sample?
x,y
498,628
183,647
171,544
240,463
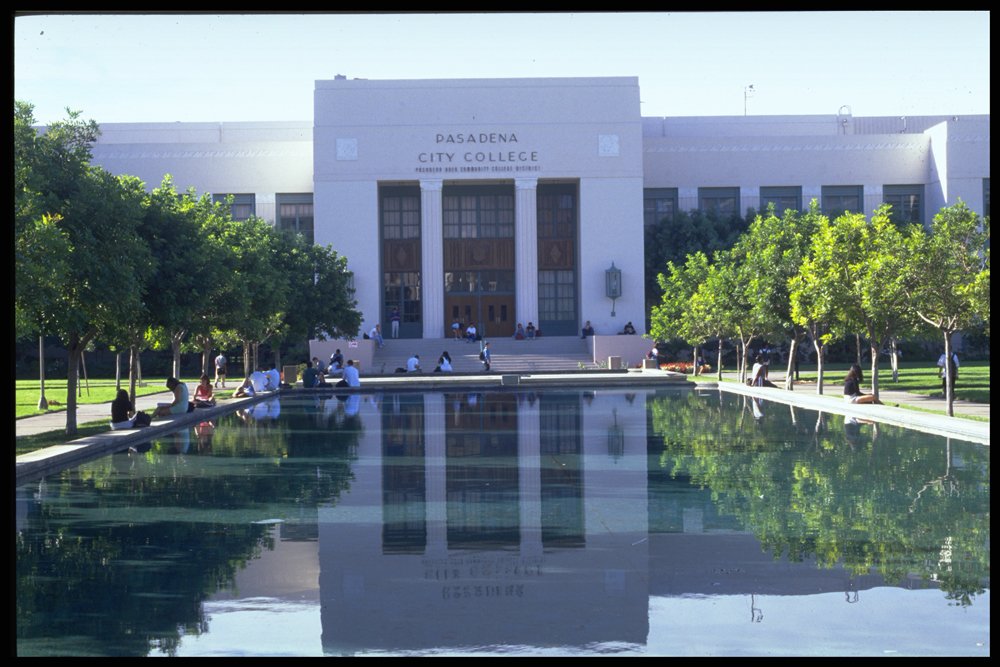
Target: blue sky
x,y
167,67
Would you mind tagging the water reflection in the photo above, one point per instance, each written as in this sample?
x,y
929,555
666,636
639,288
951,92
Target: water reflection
x,y
415,522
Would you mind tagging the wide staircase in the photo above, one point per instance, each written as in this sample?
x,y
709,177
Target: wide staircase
x,y
560,353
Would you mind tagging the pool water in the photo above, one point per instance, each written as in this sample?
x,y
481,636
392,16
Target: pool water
x,y
675,522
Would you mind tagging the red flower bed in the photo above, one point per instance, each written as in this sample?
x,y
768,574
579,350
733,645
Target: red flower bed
x,y
677,367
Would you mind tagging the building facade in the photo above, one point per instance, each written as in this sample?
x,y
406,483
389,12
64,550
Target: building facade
x,y
506,201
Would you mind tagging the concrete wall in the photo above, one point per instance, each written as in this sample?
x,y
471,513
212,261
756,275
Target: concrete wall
x,y
237,158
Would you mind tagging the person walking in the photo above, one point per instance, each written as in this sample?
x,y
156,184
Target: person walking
x,y
220,370
948,375
485,357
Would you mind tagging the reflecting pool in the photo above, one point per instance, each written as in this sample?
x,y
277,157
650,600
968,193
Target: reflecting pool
x,y
675,522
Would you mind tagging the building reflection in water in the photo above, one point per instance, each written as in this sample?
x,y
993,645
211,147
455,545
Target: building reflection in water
x,y
468,523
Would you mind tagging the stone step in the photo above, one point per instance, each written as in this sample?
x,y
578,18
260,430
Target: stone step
x,y
561,353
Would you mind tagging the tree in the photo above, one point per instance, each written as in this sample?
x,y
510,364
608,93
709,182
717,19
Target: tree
x,y
953,264
673,238
857,277
772,251
667,318
91,217
710,312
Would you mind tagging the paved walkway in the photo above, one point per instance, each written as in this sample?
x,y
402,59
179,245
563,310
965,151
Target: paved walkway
x,y
886,394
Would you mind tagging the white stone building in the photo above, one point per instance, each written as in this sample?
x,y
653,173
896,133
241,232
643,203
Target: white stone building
x,y
504,201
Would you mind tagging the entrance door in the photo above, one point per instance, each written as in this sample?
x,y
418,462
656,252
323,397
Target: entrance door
x,y
498,314
493,314
464,308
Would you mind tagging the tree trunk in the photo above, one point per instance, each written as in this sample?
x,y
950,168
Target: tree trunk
x,y
875,351
949,392
818,344
73,348
718,372
793,349
206,353
133,370
894,359
75,345
175,347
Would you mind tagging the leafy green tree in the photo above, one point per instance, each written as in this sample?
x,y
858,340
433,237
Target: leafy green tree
x,y
951,263
771,252
263,286
709,314
685,233
91,218
857,277
667,319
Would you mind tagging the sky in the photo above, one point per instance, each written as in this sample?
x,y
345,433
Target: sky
x,y
210,67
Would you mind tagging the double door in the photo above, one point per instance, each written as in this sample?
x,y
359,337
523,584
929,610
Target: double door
x,y
493,314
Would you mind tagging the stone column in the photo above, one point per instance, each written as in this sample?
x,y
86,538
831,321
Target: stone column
x,y
529,482
435,462
432,260
526,250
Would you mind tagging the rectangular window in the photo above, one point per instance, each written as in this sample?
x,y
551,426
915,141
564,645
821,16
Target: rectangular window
x,y
783,198
477,216
840,199
906,202
400,216
556,300
658,204
295,214
723,202
241,208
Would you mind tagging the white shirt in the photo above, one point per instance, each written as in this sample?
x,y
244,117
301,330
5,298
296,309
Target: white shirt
x,y
954,358
352,376
445,365
412,364
275,377
471,330
258,381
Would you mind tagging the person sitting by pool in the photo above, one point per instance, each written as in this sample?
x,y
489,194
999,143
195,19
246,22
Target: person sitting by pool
x,y
413,364
180,404
519,333
309,376
122,414
757,378
203,397
337,362
587,330
351,376
244,390
444,363
530,331
470,334
852,388
701,365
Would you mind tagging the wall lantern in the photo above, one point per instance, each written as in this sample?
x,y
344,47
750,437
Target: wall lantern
x,y
613,285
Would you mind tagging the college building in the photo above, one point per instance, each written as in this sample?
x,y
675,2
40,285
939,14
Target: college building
x,y
506,201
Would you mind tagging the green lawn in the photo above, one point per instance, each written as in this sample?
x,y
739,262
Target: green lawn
x,y
27,393
973,383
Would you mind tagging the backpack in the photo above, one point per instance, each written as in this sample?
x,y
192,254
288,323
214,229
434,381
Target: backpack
x,y
482,356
